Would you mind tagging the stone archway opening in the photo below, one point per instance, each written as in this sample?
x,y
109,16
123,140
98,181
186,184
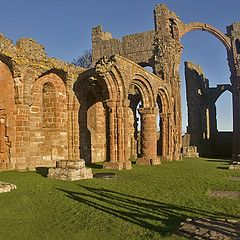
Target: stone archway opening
x,y
224,115
136,103
201,92
92,121
223,136
159,127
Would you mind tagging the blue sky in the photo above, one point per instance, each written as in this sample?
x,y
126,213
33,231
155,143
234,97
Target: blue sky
x,y
64,28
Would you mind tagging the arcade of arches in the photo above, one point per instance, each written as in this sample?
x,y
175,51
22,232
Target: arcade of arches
x,y
117,110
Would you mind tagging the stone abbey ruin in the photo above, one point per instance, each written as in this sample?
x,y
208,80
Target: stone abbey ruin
x,y
51,110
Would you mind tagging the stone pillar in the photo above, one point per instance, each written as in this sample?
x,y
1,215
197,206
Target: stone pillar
x,y
73,129
117,142
111,162
236,126
148,137
233,31
126,163
165,135
76,138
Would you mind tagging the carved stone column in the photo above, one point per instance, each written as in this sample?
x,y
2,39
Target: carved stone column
x,y
148,137
111,138
116,138
165,135
126,163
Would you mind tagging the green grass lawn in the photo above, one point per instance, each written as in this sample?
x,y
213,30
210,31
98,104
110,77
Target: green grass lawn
x,y
147,202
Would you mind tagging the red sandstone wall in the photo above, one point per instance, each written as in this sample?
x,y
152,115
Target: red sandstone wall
x,y
7,117
48,121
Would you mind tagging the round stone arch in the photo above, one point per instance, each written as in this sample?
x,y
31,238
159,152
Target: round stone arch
x,y
163,94
7,61
115,84
145,89
206,27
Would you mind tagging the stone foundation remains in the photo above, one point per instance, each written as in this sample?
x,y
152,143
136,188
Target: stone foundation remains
x,y
6,187
70,170
235,165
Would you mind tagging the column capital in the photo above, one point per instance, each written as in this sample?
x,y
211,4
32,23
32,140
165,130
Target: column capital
x,y
110,103
144,111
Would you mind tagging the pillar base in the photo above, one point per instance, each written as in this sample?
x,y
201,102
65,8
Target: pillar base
x,y
148,161
3,166
118,165
127,165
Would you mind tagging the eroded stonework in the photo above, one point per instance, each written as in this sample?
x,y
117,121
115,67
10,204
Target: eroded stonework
x,y
52,111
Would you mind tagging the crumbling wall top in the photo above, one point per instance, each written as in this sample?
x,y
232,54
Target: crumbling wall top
x,y
28,55
99,35
196,67
31,49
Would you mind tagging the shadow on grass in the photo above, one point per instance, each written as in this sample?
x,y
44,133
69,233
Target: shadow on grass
x,y
43,171
94,165
223,168
160,217
220,160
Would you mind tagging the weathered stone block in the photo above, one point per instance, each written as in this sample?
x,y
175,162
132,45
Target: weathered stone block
x,y
113,165
190,152
70,164
234,166
70,170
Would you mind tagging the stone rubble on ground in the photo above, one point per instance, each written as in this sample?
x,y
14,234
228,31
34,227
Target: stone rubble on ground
x,y
70,170
235,165
215,229
6,187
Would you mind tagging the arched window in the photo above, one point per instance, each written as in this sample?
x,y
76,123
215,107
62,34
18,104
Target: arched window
x,y
224,112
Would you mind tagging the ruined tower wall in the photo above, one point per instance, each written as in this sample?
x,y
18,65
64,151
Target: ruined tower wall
x,y
136,47
202,123
196,87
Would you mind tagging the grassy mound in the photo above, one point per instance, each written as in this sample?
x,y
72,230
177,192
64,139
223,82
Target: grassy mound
x,y
147,202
